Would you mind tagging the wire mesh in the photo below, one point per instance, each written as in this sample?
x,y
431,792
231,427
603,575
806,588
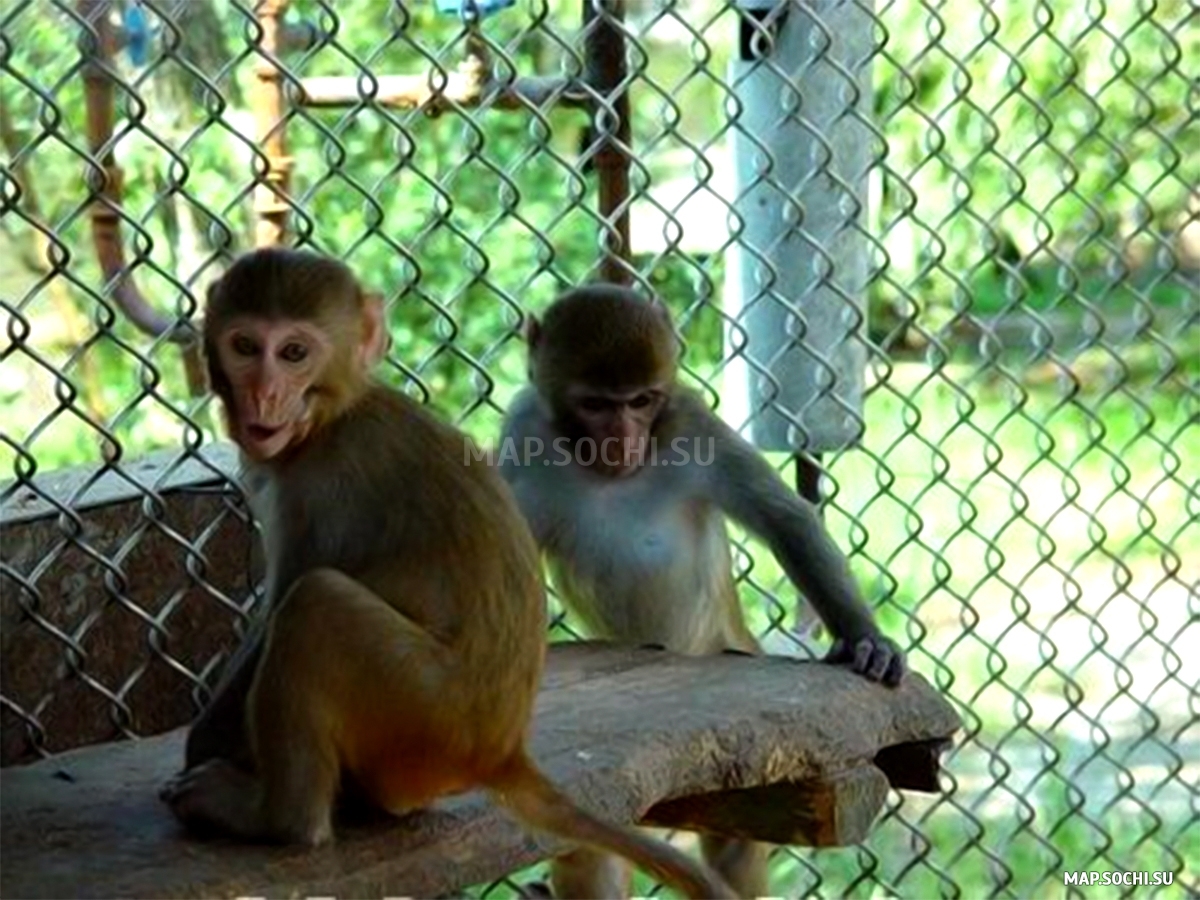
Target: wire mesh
x,y
1023,504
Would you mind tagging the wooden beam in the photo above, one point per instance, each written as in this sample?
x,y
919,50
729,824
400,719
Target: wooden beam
x,y
267,101
836,811
604,53
777,749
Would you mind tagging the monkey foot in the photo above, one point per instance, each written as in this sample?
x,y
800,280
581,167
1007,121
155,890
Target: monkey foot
x,y
213,797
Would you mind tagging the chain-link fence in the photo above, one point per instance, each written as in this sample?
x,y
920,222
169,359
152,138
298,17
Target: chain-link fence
x,y
971,229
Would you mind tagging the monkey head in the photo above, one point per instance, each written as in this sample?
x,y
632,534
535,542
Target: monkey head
x,y
603,360
290,339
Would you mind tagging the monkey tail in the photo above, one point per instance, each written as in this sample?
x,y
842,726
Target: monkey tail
x,y
524,790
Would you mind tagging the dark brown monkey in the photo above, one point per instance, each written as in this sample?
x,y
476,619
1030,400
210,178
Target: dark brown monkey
x,y
407,620
626,479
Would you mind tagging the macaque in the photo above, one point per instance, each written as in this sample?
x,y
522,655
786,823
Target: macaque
x,y
627,484
406,621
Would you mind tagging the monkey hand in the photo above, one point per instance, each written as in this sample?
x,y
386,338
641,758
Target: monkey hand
x,y
872,655
211,795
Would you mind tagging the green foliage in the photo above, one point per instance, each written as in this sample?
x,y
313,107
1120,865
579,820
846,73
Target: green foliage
x,y
1054,131
1026,153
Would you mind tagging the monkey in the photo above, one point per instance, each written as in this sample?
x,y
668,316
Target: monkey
x,y
626,483
405,638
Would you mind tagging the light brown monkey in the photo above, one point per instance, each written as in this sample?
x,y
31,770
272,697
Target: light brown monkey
x,y
407,618
626,479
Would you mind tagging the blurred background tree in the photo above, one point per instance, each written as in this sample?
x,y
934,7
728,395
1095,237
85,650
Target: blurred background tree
x,y
1041,161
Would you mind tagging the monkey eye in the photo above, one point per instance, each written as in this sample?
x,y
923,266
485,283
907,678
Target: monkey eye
x,y
243,345
293,352
641,401
593,404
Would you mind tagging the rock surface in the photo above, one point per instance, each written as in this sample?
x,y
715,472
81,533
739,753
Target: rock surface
x,y
766,747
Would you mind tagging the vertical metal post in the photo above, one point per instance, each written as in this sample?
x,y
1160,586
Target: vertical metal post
x,y
268,102
796,279
798,273
604,53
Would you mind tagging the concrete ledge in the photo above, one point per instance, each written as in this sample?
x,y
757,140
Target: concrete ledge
x,y
118,590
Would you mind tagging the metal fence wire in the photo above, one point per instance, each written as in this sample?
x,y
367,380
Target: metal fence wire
x,y
977,243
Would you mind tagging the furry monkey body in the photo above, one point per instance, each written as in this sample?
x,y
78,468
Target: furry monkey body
x,y
635,539
406,631
632,567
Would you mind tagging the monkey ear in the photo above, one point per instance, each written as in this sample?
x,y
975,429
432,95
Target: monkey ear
x,y
217,382
532,331
664,314
377,340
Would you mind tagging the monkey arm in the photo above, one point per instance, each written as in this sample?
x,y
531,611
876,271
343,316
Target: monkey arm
x,y
523,433
750,492
747,489
520,424
220,730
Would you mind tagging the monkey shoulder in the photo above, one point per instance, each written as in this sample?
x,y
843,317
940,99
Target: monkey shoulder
x,y
524,407
442,457
524,421
721,456
385,457
689,438
387,427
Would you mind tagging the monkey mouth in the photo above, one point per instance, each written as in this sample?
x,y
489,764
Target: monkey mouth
x,y
629,461
264,441
262,433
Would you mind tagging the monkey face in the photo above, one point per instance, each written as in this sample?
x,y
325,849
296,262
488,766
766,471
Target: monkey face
x,y
272,367
620,424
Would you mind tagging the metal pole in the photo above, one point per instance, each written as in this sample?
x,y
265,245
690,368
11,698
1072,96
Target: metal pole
x,y
796,278
604,52
98,86
268,101
798,273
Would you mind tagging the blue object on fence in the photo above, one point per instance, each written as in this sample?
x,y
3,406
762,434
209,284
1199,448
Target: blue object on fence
x,y
480,8
137,33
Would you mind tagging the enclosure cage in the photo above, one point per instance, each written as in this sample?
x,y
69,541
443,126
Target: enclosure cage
x,y
939,261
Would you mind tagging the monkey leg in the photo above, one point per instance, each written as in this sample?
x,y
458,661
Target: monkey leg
x,y
265,702
743,864
335,654
588,873
220,729
585,873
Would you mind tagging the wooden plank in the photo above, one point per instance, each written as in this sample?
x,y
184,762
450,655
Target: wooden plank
x,y
835,811
620,729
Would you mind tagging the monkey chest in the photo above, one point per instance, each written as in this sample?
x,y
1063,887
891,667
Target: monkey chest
x,y
637,572
628,540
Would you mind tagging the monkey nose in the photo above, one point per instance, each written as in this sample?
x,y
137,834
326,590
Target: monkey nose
x,y
266,404
618,427
626,432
